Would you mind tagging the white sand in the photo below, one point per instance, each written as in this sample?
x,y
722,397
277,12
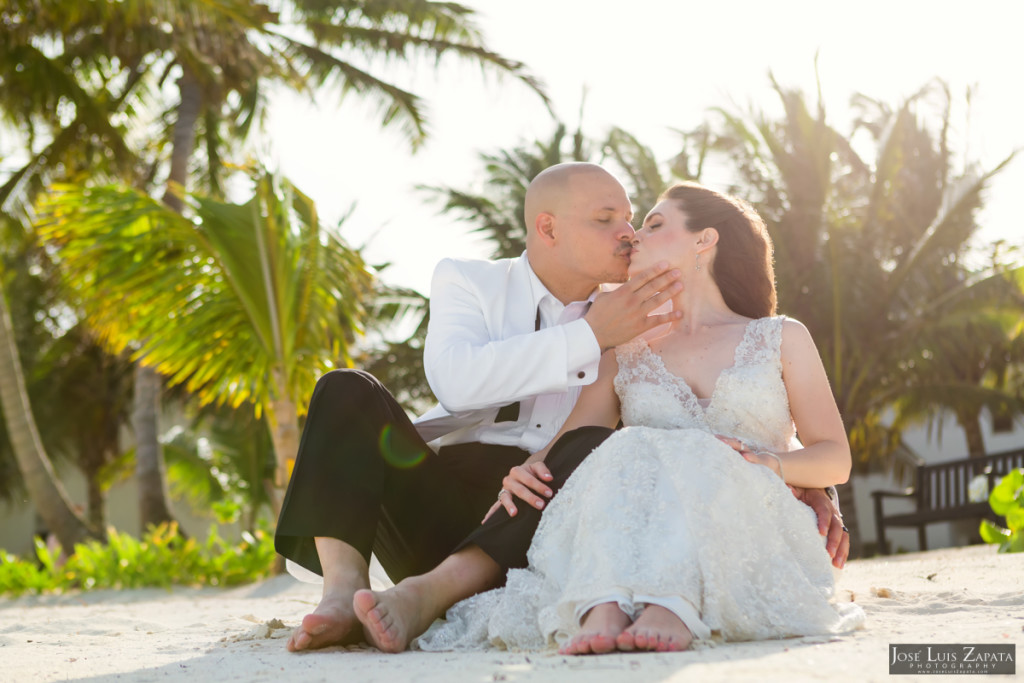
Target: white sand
x,y
966,595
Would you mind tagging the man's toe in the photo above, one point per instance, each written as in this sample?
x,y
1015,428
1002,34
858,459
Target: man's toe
x,y
301,640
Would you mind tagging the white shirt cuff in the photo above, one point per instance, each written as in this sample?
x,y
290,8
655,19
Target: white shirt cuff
x,y
584,353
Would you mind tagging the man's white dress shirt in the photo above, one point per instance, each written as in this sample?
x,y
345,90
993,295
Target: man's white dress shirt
x,y
483,351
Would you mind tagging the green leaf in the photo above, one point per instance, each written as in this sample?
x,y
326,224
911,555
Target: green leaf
x,y
1014,545
991,533
1015,518
1008,493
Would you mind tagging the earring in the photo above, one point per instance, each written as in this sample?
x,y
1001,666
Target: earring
x,y
698,262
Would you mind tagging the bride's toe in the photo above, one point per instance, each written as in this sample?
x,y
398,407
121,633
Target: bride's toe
x,y
640,639
574,646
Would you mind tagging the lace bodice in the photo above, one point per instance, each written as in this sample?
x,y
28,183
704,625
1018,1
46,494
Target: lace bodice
x,y
749,400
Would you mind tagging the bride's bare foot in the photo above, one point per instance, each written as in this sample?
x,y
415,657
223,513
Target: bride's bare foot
x,y
392,618
655,629
600,627
333,622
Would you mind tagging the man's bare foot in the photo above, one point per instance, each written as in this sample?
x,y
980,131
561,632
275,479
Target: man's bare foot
x,y
331,623
655,629
600,627
392,618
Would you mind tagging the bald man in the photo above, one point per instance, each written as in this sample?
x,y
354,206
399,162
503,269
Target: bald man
x,y
509,345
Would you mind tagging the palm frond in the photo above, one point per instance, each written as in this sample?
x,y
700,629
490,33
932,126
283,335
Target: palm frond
x,y
949,232
219,302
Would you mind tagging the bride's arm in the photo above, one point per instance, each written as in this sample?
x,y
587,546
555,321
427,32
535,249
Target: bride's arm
x,y
825,458
598,405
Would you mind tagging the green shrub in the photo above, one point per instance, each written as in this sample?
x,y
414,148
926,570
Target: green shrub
x,y
1007,499
162,557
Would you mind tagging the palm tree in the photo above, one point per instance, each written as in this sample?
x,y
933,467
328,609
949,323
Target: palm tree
x,y
872,255
872,252
224,54
27,298
64,124
968,363
244,303
386,29
78,391
65,104
44,488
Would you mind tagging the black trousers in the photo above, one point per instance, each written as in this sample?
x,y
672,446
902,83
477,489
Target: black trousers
x,y
364,476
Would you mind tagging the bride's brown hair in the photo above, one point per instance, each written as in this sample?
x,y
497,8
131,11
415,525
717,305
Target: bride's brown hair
x,y
742,268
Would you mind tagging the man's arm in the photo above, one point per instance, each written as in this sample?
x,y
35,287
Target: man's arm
x,y
598,405
468,370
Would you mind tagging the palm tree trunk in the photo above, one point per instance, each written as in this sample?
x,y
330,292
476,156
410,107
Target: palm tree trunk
x,y
150,471
970,420
44,489
96,500
149,461
284,432
184,139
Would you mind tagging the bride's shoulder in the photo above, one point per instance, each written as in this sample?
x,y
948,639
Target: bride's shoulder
x,y
774,334
796,338
783,324
789,326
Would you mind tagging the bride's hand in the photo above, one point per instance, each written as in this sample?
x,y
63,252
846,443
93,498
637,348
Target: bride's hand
x,y
769,460
522,481
732,443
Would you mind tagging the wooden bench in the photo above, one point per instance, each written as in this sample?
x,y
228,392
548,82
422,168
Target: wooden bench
x,y
941,494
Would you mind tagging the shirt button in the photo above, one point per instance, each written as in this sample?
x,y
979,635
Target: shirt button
x,y
538,426
581,374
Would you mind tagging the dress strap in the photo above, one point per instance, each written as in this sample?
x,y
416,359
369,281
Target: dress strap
x,y
762,342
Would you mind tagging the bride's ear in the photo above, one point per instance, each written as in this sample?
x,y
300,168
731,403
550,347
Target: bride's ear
x,y
708,237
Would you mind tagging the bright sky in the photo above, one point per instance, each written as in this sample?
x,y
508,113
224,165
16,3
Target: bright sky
x,y
649,66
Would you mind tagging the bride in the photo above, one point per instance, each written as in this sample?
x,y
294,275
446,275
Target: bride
x,y
640,549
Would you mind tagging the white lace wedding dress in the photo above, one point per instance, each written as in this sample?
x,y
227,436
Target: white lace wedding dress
x,y
663,508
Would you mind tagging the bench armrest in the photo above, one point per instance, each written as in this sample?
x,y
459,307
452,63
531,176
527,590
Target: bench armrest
x,y
906,493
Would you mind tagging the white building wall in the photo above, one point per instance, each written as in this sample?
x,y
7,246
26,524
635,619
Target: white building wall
x,y
947,443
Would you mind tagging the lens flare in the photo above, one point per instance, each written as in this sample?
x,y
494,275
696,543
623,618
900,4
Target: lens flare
x,y
398,450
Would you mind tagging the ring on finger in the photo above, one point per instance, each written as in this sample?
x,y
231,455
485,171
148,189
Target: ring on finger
x,y
501,492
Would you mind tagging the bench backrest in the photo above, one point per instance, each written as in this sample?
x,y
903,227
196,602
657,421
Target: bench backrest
x,y
944,485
